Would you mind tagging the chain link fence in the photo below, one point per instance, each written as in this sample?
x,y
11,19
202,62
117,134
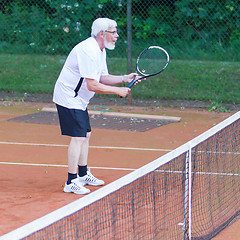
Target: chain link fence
x,y
189,29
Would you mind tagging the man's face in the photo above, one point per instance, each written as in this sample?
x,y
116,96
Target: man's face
x,y
110,38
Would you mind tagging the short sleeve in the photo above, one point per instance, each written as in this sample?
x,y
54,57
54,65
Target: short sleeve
x,y
105,68
91,62
88,65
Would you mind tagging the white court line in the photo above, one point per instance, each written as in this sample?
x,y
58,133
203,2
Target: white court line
x,y
200,173
120,169
64,166
100,147
59,145
111,147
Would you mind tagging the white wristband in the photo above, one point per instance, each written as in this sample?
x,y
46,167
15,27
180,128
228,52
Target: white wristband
x,y
123,78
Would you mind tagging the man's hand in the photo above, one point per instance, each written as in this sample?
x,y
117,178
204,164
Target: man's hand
x,y
124,91
128,78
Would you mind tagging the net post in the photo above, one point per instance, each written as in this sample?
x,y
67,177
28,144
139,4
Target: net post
x,y
185,237
190,193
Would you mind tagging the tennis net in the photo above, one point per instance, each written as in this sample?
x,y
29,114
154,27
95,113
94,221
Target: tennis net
x,y
192,192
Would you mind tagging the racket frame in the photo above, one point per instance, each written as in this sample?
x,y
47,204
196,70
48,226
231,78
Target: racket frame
x,y
148,75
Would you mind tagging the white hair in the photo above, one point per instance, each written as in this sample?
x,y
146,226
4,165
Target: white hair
x,y
102,24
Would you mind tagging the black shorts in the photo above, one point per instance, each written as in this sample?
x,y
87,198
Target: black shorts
x,y
73,122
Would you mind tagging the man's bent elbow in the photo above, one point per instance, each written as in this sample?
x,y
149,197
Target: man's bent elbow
x,y
92,85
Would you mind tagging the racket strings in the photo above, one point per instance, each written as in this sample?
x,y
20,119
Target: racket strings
x,y
152,61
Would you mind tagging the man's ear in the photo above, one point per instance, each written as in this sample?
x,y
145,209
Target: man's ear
x,y
101,34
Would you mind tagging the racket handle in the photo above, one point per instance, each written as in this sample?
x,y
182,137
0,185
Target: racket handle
x,y
132,82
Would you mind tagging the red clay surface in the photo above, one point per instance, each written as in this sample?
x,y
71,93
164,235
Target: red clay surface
x,y
30,192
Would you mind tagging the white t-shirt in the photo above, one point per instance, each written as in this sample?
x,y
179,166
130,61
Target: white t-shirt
x,y
86,60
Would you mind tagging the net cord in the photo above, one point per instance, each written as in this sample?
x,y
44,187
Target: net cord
x,y
69,209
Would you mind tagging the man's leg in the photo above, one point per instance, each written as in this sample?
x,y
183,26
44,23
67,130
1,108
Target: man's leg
x,y
74,151
83,157
85,176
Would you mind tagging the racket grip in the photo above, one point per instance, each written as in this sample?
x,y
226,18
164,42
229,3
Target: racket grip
x,y
132,82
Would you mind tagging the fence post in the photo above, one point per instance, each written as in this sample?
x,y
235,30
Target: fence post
x,y
129,35
129,42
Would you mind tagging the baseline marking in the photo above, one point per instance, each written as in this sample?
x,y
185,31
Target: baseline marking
x,y
120,169
96,147
65,166
111,147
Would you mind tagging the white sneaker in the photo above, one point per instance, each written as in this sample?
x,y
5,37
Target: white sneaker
x,y
89,179
75,187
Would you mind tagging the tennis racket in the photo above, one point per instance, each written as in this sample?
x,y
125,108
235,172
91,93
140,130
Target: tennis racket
x,y
151,61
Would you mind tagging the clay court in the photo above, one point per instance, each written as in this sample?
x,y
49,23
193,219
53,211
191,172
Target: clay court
x,y
34,154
